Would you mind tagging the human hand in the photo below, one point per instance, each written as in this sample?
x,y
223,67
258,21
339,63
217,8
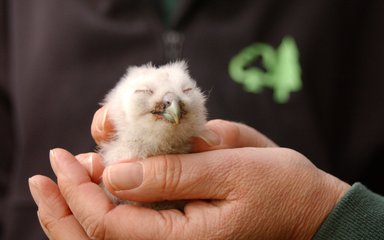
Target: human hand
x,y
255,192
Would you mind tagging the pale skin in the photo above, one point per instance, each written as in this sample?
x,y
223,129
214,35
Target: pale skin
x,y
256,190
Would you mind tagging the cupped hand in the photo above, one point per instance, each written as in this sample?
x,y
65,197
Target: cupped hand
x,y
239,192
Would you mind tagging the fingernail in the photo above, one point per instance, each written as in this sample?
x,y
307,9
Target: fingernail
x,y
34,190
210,137
101,125
125,176
88,162
52,158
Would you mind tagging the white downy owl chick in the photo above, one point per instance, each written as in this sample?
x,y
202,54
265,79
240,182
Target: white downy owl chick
x,y
154,110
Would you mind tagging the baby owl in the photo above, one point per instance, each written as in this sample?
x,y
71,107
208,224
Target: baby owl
x,y
154,110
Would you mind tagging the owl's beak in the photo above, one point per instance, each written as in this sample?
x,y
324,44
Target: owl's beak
x,y
172,113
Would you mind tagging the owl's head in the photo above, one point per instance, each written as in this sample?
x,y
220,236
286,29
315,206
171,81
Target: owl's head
x,y
158,99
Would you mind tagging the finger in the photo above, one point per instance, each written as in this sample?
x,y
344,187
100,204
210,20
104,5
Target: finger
x,y
98,216
75,186
93,163
54,215
221,134
101,127
206,175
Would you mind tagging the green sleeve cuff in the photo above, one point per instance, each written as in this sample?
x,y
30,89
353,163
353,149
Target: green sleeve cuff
x,y
358,215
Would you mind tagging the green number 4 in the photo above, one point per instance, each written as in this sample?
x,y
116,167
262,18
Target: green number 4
x,y
281,72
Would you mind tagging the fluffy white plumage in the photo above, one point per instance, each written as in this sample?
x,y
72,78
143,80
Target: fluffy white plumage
x,y
154,110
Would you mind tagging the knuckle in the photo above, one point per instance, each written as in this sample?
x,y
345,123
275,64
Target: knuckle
x,y
232,133
169,173
47,221
167,226
94,229
230,130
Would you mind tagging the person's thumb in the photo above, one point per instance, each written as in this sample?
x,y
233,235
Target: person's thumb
x,y
207,175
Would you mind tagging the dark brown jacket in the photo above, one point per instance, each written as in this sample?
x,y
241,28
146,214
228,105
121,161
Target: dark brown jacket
x,y
59,58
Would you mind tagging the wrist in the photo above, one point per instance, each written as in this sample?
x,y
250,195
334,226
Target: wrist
x,y
319,204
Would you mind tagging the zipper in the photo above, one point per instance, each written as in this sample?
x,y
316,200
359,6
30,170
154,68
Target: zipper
x,y
173,43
